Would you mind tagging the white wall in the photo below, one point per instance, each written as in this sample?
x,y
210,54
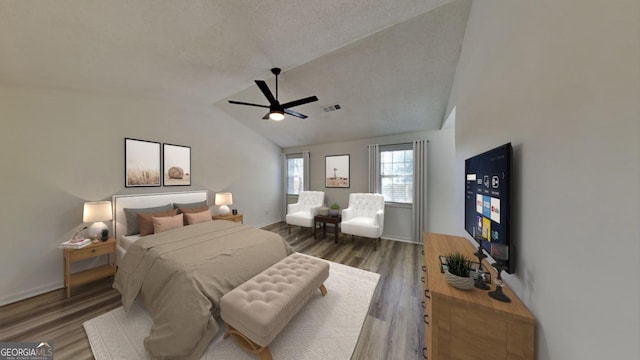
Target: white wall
x,y
440,187
60,148
561,81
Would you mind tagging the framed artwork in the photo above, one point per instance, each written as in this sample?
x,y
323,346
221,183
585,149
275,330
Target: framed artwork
x,y
337,171
176,165
141,163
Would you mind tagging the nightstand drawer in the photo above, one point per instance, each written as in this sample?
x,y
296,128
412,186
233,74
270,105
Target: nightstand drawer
x,y
92,251
234,218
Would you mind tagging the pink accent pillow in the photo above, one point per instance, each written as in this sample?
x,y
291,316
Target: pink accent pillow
x,y
165,223
145,221
194,218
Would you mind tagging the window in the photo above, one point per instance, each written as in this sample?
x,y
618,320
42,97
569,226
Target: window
x,y
295,175
396,173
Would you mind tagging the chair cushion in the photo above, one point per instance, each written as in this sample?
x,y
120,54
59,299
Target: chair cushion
x,y
300,218
361,226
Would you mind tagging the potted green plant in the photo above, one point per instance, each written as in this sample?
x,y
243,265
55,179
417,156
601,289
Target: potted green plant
x,y
334,209
458,272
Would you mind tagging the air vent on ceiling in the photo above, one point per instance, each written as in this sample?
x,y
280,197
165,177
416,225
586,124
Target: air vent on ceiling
x,y
329,108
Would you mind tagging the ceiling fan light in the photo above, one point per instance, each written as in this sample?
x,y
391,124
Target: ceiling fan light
x,y
276,115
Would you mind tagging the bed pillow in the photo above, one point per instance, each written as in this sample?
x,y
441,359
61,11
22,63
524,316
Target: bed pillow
x,y
165,223
189,210
190,205
197,217
145,221
132,217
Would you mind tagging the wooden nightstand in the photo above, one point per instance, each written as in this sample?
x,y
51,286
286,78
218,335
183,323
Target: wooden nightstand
x,y
234,218
90,251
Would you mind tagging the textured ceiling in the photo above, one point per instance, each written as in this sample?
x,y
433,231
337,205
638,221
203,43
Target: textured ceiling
x,y
389,63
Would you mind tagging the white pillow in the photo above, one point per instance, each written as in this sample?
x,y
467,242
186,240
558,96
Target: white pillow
x,y
165,223
194,218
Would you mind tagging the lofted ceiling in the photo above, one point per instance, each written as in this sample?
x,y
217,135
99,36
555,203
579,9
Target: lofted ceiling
x,y
388,63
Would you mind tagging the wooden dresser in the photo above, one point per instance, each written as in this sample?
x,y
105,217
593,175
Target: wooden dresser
x,y
469,325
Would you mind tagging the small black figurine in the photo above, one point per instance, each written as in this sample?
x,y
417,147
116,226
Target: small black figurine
x,y
480,284
497,293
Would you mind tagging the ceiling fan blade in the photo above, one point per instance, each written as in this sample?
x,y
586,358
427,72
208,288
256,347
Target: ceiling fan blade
x,y
267,93
266,117
294,113
300,102
246,103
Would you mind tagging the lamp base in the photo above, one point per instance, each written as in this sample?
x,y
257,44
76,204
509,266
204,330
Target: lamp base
x,y
224,210
95,230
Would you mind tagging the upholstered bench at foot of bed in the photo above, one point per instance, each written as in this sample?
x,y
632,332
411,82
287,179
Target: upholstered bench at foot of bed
x,y
256,311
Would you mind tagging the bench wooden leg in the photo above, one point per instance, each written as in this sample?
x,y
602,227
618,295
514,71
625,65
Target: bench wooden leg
x,y
323,290
244,342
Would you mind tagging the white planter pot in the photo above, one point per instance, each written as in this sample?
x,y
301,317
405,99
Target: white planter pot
x,y
458,282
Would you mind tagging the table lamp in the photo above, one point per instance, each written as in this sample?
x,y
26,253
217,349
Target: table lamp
x,y
96,212
224,199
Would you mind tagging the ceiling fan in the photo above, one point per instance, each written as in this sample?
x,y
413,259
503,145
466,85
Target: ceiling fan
x,y
277,110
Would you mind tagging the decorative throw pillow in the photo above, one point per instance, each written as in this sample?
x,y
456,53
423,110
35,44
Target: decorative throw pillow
x,y
198,217
165,223
190,205
145,221
132,217
189,210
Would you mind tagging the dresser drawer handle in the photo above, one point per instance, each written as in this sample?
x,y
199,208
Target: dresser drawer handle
x,y
425,319
422,279
426,294
423,305
424,268
94,250
424,352
422,251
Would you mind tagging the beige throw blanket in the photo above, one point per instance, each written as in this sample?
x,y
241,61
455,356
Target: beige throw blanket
x,y
180,276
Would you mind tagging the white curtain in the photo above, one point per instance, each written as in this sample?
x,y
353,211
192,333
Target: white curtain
x,y
283,210
305,159
305,178
419,189
374,168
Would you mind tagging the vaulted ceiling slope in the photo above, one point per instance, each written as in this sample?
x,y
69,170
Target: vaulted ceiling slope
x,y
388,63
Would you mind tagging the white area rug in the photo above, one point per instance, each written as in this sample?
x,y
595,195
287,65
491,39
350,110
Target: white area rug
x,y
326,328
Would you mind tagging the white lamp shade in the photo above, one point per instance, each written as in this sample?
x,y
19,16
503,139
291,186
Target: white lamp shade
x,y
97,211
224,198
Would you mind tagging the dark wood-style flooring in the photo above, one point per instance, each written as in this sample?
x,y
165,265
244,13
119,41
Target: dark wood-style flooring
x,y
393,328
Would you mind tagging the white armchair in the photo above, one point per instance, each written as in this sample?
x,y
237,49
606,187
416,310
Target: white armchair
x,y
303,212
364,216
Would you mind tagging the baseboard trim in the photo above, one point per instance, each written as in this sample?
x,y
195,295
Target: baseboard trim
x,y
25,294
269,222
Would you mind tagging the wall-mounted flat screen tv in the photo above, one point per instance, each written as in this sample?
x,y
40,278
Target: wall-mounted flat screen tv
x,y
488,203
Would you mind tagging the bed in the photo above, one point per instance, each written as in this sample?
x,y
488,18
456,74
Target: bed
x,y
181,274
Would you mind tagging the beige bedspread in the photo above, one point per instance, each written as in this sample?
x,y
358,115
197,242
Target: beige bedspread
x,y
180,276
